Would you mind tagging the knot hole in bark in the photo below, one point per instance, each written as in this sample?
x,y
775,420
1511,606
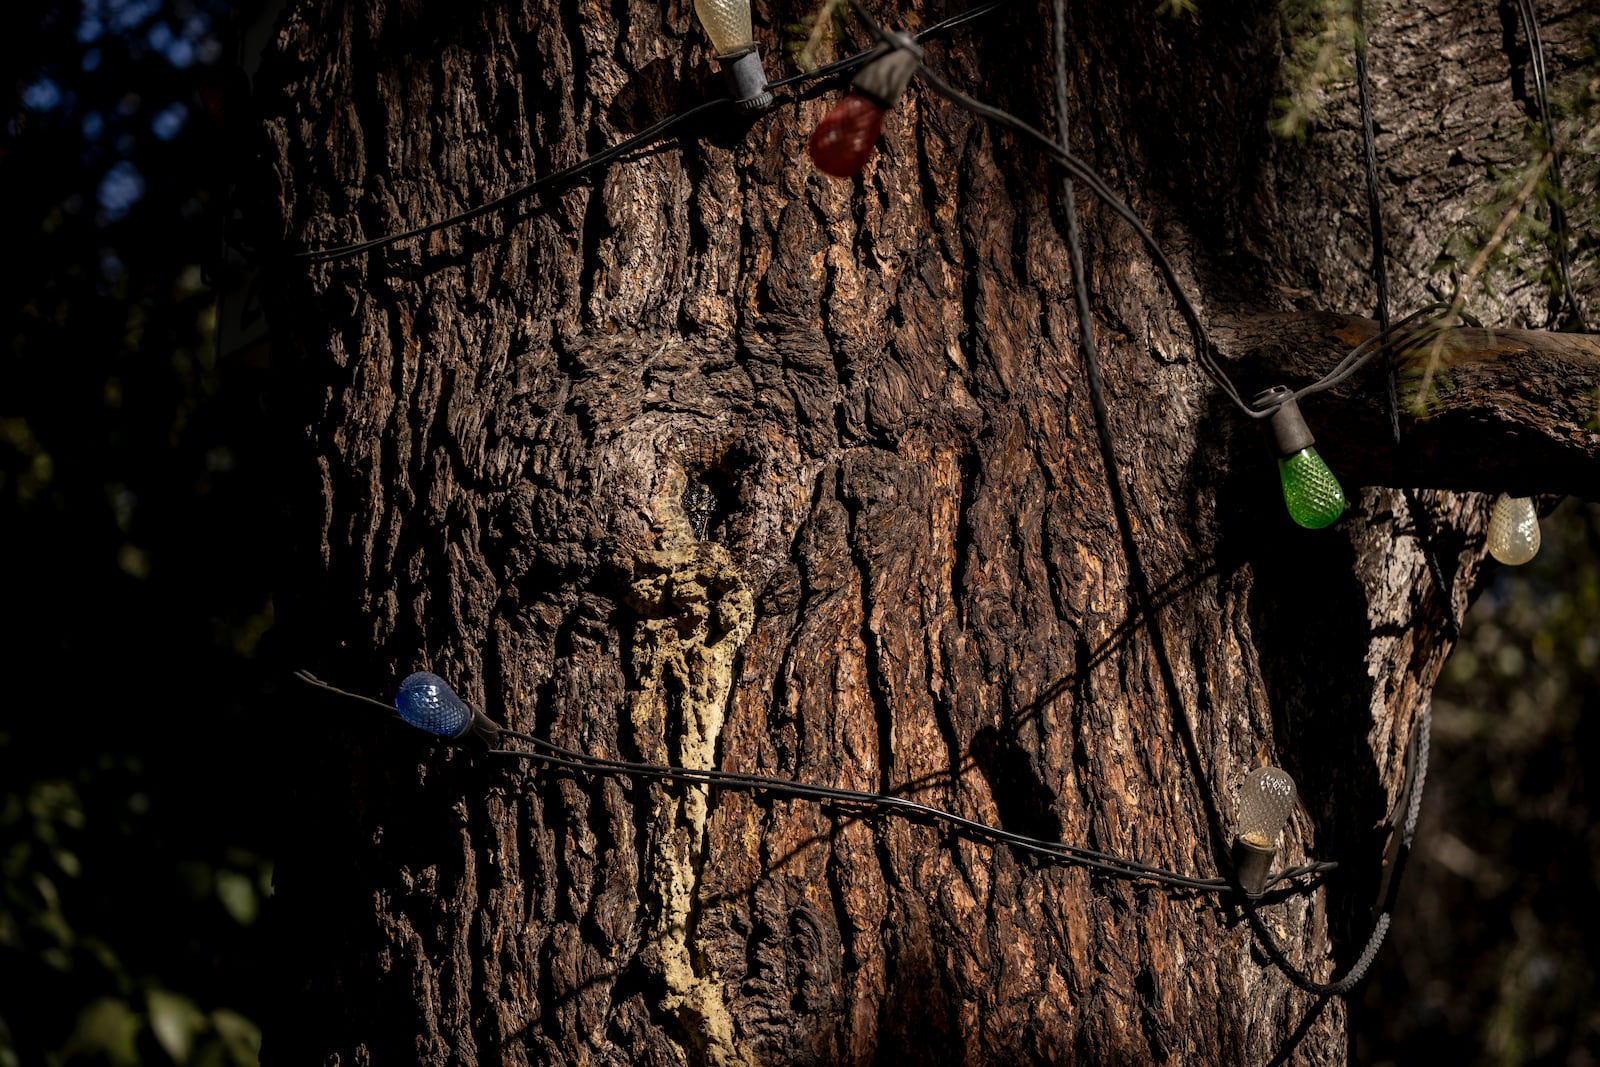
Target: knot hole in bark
x,y
712,470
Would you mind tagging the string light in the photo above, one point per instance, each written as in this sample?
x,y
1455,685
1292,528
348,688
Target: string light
x,y
427,702
1313,496
1513,529
1310,491
1265,802
727,23
843,141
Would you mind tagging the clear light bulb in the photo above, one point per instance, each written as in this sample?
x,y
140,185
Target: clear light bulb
x,y
1513,529
1265,801
1310,491
727,23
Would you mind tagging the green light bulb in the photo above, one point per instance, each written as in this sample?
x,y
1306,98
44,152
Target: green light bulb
x,y
1309,487
1310,490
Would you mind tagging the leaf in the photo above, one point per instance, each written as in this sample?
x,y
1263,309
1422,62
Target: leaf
x,y
110,1028
238,894
241,1036
176,1021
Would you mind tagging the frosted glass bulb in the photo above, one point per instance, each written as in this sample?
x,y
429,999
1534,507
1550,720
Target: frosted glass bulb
x,y
727,23
1265,802
843,141
1513,530
427,702
1310,491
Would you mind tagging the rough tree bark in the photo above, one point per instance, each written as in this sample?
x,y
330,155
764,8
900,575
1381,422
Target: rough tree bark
x,y
911,581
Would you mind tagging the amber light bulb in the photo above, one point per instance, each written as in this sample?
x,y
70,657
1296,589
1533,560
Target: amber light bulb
x,y
1265,802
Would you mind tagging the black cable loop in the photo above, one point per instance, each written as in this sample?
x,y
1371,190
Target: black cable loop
x,y
1418,778
1343,370
1358,969
1103,428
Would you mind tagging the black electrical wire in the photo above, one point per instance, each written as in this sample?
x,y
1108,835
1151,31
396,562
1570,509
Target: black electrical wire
x,y
1107,863
1380,266
577,170
1558,211
1380,275
859,59
1417,772
1363,962
1140,578
1104,862
1205,351
1346,367
643,138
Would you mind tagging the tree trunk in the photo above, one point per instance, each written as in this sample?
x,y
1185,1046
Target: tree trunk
x,y
714,461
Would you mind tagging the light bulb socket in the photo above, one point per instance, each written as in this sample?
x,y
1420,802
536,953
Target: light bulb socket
x,y
1289,430
1252,863
747,79
883,79
484,727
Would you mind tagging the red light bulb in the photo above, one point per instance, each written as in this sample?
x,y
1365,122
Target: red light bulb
x,y
843,141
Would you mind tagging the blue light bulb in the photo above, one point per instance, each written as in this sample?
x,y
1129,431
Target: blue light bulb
x,y
428,703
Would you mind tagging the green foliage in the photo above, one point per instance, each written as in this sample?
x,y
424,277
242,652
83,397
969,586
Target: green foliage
x,y
1177,8
1319,38
67,874
1513,240
132,876
809,43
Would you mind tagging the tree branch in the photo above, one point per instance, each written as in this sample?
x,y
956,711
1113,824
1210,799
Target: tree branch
x,y
1513,410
